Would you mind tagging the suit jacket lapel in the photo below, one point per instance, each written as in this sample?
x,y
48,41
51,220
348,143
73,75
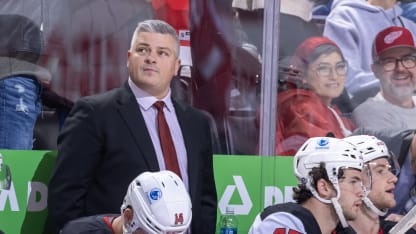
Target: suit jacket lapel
x,y
189,137
130,112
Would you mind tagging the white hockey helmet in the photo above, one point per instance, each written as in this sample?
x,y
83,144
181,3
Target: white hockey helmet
x,y
335,153
160,203
373,148
370,146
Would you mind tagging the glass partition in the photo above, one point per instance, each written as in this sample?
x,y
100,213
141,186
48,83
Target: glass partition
x,y
244,78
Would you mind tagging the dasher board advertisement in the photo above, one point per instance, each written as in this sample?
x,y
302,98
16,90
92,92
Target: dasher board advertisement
x,y
246,183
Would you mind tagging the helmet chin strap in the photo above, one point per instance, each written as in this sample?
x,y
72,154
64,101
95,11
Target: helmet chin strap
x,y
373,208
339,212
315,194
335,204
333,200
127,228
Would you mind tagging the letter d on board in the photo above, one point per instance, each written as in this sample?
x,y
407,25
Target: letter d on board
x,y
33,190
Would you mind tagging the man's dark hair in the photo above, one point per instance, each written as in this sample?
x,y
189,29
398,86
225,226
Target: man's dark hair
x,y
301,193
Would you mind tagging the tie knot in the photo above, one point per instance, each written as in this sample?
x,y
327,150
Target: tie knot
x,y
159,105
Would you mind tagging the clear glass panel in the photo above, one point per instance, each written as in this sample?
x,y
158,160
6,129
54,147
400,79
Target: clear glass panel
x,y
226,47
84,50
312,100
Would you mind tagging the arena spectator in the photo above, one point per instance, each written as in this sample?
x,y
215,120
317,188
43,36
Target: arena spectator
x,y
305,109
21,80
394,56
353,25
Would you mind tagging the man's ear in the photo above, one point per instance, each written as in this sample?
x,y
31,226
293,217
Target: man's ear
x,y
128,214
324,189
376,70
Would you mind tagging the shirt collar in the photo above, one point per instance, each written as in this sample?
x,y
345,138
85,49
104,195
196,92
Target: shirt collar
x,y
146,100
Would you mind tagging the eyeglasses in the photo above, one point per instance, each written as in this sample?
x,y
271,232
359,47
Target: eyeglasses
x,y
324,70
389,64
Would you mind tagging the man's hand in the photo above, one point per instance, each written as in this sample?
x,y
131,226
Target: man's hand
x,y
393,217
397,217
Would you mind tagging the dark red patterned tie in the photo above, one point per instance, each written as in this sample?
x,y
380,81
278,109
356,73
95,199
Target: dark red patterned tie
x,y
166,142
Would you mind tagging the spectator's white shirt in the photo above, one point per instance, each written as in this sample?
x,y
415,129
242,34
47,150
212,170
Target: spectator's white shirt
x,y
377,113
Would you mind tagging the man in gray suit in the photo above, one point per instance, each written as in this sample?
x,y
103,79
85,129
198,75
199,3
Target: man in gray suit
x,y
109,138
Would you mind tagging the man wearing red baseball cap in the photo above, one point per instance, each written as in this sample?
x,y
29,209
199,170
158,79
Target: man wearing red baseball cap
x,y
394,64
393,108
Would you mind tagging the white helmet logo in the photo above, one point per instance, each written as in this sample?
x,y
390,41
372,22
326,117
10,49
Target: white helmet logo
x,y
155,194
322,143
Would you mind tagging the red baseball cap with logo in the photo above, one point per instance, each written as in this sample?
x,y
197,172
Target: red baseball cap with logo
x,y
392,37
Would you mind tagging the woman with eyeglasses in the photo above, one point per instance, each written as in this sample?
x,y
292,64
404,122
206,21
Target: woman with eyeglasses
x,y
304,109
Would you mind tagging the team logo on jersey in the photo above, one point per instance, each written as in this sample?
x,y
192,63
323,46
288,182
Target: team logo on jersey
x,y
155,194
178,218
